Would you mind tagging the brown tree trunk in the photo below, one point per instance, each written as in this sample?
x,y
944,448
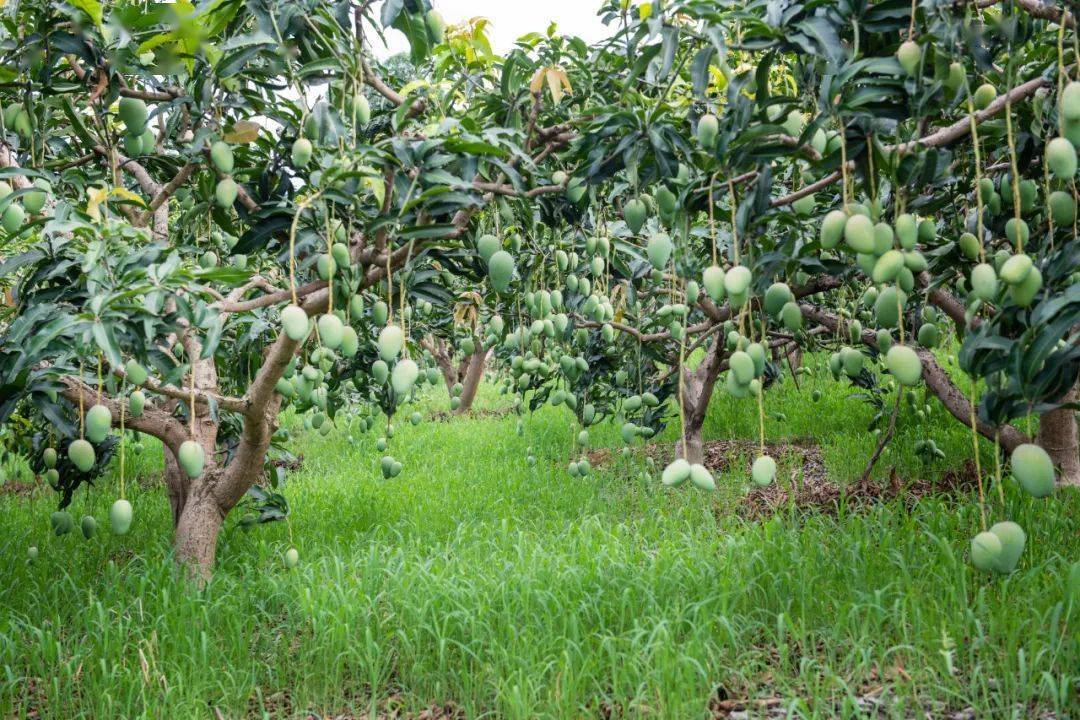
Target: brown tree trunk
x,y
176,485
196,534
470,383
697,390
1058,437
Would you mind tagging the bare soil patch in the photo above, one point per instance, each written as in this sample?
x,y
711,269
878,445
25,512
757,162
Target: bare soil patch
x,y
802,479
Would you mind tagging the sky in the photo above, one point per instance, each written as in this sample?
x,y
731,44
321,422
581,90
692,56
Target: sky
x,y
510,19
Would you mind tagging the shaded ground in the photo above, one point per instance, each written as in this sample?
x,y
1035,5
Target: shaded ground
x,y
800,466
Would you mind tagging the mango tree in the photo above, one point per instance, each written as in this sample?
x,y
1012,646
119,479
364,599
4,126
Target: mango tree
x,y
220,208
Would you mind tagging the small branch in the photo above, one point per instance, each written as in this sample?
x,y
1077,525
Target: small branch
x,y
942,136
884,438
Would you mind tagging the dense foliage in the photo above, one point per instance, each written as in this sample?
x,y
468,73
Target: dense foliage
x,y
213,212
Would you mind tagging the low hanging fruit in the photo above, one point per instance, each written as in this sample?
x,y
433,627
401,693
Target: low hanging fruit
x,y
221,155
225,192
904,364
713,281
501,270
486,246
331,331
763,471
986,551
301,152
403,377
295,322
1033,469
983,96
81,453
701,477
859,234
191,457
133,114
292,558
98,423
984,282
391,340
659,250
136,403
832,228
49,457
676,473
1061,158
634,212
1012,539
708,129
62,523
136,373
909,54
88,526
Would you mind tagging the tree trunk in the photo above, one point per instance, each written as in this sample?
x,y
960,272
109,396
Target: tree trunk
x,y
196,534
697,390
474,373
690,446
1058,437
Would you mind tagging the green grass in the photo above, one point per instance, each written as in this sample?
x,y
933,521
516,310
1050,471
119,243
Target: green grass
x,y
519,592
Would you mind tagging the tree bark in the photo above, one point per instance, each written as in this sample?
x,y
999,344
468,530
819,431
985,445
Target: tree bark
x,y
1058,437
196,534
474,373
697,390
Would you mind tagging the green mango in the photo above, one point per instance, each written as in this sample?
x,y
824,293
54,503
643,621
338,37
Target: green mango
x,y
986,551
331,331
1061,158
62,523
295,322
486,246
763,471
136,403
1033,468
832,228
501,271
1062,208
983,96
659,250
225,192
676,473
1012,539
192,458
909,54
301,152
708,128
221,155
984,282
98,423
133,114
391,340
713,280
701,478
82,455
903,364
778,295
634,213
859,234
791,316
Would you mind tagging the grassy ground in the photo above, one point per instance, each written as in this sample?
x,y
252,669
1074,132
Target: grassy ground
x,y
519,592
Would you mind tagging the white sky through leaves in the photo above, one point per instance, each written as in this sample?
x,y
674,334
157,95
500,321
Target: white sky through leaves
x,y
510,19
